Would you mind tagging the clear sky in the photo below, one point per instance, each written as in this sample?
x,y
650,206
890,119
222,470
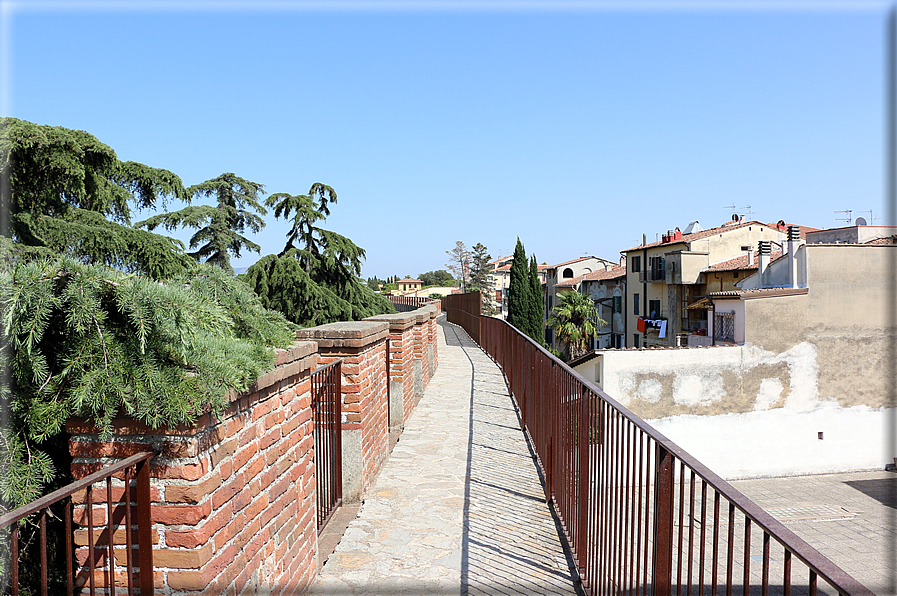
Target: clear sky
x,y
577,126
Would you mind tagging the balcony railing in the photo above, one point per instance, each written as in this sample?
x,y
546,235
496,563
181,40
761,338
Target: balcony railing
x,y
640,514
326,392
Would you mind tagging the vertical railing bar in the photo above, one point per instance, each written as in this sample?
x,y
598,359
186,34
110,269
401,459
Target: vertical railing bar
x,y
638,531
90,553
69,580
691,529
812,583
730,546
624,553
649,450
715,572
14,559
765,585
583,476
663,523
747,554
145,527
632,507
110,557
703,536
43,552
681,528
129,542
786,575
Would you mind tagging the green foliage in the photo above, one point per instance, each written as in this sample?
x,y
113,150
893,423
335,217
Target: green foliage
x,y
575,321
69,193
220,228
459,263
317,282
519,290
89,341
441,278
536,309
481,277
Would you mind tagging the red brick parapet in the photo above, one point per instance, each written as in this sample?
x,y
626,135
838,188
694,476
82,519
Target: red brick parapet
x,y
233,496
362,347
401,365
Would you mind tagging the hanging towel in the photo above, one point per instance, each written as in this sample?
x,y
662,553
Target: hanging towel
x,y
640,325
663,329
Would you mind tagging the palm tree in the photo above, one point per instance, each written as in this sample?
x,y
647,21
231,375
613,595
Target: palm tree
x,y
575,320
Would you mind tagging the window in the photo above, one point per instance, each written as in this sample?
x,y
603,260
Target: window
x,y
735,274
656,270
635,343
567,273
653,308
618,304
635,304
635,264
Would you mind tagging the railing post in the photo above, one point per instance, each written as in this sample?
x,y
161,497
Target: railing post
x,y
144,527
663,523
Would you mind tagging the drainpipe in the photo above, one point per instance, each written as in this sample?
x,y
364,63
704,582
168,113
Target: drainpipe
x,y
793,243
764,248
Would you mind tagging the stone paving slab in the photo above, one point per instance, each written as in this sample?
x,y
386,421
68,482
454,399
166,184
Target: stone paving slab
x,y
458,508
862,540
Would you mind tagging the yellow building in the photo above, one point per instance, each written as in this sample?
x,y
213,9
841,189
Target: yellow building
x,y
664,278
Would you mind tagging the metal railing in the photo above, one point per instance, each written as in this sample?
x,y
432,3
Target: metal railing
x,y
326,391
640,514
464,310
724,326
409,303
136,525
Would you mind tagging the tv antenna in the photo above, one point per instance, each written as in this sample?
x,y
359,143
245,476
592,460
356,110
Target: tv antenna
x,y
872,220
847,213
745,210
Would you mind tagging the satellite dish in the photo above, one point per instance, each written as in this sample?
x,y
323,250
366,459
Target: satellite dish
x,y
861,221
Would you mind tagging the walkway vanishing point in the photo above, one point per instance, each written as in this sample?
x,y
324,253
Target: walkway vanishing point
x,y
458,507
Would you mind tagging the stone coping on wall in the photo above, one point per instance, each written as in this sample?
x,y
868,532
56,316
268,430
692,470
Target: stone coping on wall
x,y
397,322
350,334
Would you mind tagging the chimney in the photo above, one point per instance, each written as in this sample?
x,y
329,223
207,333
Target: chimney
x,y
793,243
764,247
750,253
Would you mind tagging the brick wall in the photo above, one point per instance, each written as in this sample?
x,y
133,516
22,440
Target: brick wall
x,y
233,498
401,366
365,435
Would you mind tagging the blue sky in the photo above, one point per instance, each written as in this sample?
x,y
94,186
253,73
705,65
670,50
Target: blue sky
x,y
577,127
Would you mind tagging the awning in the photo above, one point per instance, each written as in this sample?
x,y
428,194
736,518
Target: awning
x,y
702,304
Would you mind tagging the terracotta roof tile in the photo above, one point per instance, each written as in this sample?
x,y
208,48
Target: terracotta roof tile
x,y
614,273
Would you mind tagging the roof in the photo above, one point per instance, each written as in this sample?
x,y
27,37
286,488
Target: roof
x,y
582,359
508,268
569,283
613,273
741,263
883,241
759,293
719,230
408,280
574,261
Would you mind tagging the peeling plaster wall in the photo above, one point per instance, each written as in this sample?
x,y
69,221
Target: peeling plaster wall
x,y
746,411
784,442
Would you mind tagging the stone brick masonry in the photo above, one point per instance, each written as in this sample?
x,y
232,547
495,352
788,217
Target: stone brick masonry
x,y
233,498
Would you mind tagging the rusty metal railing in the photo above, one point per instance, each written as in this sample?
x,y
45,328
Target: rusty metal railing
x,y
641,515
326,390
98,558
408,303
464,310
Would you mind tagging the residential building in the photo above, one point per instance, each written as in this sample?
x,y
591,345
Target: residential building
x,y
564,273
409,285
607,288
501,276
666,277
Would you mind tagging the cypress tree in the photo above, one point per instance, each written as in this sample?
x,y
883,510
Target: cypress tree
x,y
536,310
519,290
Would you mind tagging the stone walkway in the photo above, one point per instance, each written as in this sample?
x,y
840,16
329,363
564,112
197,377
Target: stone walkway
x,y
458,507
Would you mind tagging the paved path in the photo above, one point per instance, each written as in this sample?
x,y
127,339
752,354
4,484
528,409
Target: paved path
x,y
458,507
